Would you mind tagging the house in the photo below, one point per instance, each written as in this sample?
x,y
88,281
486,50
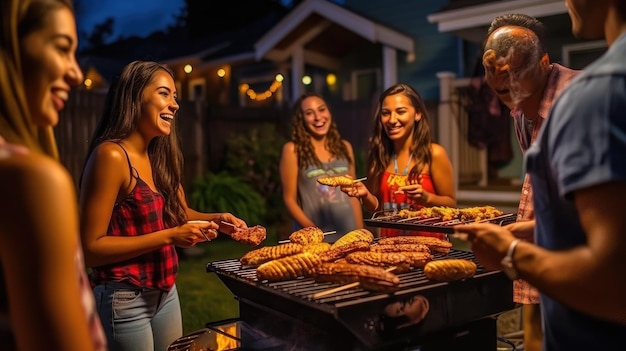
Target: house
x,y
351,52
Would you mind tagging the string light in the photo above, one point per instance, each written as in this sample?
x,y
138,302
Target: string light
x,y
260,96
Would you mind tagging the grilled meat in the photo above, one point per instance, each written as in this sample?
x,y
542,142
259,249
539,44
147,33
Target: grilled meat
x,y
354,235
316,248
268,253
336,253
249,236
307,235
449,269
380,259
434,244
369,277
290,267
417,259
399,247
335,181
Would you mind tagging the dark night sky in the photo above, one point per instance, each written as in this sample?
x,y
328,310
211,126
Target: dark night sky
x,y
132,17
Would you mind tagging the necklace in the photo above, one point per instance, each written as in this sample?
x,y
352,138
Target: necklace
x,y
406,167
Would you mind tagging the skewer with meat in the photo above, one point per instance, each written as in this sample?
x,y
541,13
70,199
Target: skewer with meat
x,y
249,236
268,253
290,267
380,259
339,252
307,235
369,277
335,180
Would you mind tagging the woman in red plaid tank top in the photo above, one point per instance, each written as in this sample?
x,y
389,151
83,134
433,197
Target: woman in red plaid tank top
x,y
134,213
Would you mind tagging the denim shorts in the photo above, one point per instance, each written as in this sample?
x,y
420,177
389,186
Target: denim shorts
x,y
138,319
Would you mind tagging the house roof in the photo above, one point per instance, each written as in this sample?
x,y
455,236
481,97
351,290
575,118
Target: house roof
x,y
470,18
326,31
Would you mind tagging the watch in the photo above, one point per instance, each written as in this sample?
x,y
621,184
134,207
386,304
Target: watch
x,y
507,262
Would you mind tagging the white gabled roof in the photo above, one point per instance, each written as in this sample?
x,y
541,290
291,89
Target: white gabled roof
x,y
372,31
482,15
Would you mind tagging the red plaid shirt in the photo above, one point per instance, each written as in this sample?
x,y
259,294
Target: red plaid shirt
x,y
140,213
559,78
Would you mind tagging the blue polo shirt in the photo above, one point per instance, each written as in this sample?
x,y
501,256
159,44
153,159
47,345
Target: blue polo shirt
x,y
581,144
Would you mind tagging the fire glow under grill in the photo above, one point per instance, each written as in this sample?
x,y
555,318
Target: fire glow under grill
x,y
419,313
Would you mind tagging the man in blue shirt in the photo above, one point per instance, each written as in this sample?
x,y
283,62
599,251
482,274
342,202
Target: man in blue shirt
x,y
578,173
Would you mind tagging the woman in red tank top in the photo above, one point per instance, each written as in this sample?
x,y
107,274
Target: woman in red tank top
x,y
405,168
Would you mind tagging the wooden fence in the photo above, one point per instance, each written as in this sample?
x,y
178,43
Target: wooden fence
x,y
204,129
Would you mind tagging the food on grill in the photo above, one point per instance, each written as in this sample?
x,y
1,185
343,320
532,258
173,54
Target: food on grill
x,y
336,253
400,247
289,267
316,248
477,213
369,277
249,236
335,180
380,259
307,235
355,235
449,269
417,259
268,253
434,244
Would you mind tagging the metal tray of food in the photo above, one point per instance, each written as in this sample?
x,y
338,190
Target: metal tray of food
x,y
438,219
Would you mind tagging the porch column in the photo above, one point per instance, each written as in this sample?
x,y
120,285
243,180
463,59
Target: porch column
x,y
447,130
390,67
297,71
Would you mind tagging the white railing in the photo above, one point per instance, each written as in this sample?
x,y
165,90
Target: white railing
x,y
470,163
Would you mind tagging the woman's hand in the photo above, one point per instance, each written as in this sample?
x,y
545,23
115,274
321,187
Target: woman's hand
x,y
193,232
228,222
357,189
416,192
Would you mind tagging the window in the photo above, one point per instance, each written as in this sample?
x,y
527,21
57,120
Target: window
x,y
197,89
580,55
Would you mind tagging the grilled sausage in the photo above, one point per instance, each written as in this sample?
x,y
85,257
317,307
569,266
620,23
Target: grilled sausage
x,y
268,253
355,235
369,277
380,259
341,251
307,235
449,269
417,259
400,248
434,244
289,267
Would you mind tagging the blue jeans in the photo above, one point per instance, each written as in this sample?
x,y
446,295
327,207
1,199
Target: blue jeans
x,y
138,319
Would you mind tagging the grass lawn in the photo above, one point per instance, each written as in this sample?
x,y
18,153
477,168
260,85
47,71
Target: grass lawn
x,y
203,296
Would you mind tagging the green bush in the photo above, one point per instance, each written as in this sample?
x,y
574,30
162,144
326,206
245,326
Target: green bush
x,y
223,192
255,156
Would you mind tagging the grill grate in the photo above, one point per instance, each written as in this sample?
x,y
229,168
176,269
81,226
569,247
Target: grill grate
x,y
393,221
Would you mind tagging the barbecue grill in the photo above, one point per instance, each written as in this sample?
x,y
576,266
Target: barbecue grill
x,y
459,313
422,315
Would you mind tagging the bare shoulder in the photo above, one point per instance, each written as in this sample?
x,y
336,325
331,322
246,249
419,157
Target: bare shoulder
x,y
28,179
347,144
110,152
32,170
289,146
438,151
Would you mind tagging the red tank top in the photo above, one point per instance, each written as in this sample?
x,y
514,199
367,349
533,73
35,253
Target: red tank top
x,y
389,184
